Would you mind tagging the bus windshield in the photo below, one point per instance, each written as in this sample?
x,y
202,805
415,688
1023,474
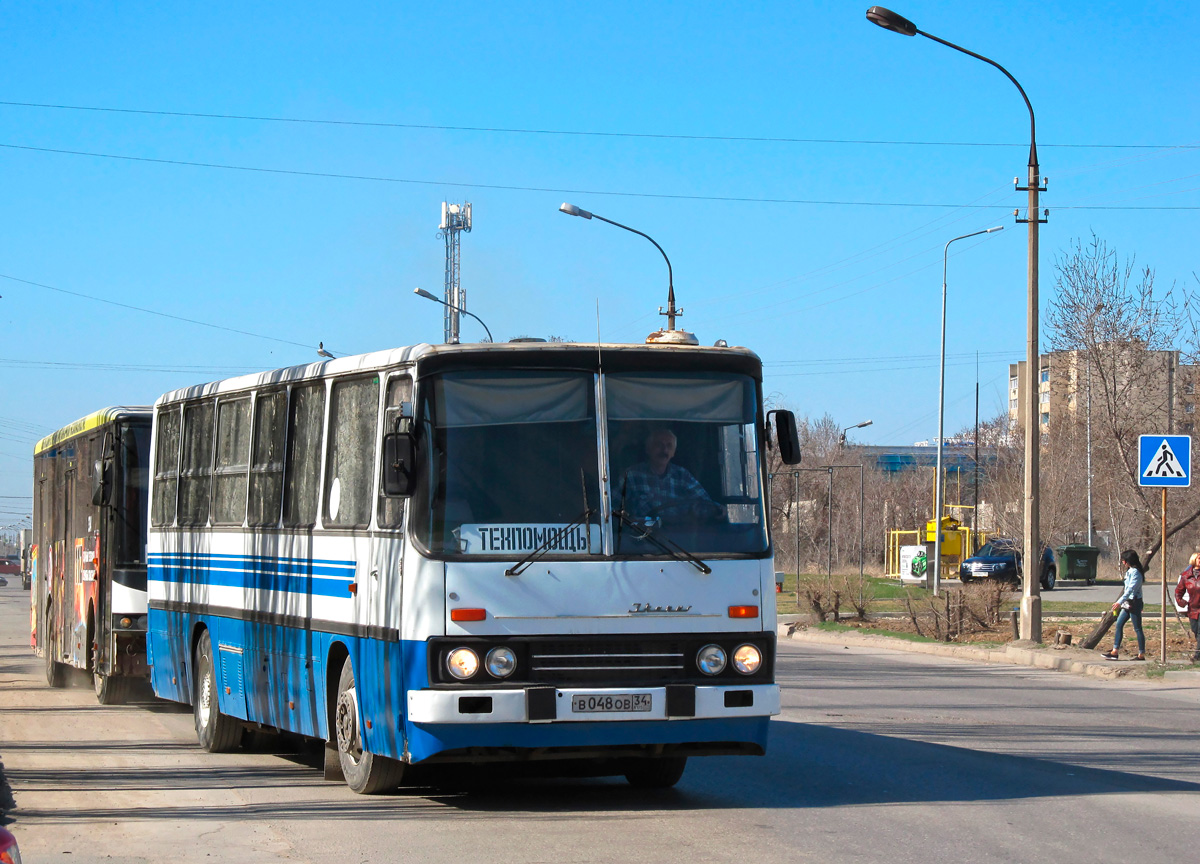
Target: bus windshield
x,y
685,467
509,457
511,463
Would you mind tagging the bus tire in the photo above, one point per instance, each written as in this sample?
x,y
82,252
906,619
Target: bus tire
x,y
661,772
366,773
216,732
55,674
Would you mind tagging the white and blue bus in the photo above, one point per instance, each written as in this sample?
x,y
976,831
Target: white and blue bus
x,y
472,553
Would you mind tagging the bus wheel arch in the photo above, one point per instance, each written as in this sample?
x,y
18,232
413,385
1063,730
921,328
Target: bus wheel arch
x,y
216,732
334,660
366,773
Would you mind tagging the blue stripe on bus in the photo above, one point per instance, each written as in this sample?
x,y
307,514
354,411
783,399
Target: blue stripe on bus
x,y
293,575
262,563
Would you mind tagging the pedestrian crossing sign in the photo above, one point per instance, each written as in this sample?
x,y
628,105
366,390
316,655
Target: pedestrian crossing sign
x,y
1165,460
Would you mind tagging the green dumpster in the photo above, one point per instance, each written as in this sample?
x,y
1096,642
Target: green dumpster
x,y
1078,561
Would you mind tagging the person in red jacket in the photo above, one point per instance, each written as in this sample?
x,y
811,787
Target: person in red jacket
x,y
1187,592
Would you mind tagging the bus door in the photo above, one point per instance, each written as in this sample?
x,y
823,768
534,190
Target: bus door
x,y
387,551
62,587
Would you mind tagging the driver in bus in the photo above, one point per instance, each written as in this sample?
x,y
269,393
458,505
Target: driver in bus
x,y
656,487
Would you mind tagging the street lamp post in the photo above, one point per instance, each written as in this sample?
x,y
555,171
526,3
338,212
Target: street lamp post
x,y
1031,600
671,312
421,292
862,425
937,495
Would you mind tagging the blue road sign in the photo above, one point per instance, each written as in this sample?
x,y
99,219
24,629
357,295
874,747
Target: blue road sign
x,y
1165,460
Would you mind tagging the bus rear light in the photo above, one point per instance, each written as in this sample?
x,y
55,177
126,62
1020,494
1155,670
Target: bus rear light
x,y
468,614
743,611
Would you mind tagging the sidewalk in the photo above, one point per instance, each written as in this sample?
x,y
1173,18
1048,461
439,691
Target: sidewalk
x,y
1064,659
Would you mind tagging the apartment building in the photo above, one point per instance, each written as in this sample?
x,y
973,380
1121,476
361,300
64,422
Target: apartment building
x,y
1162,389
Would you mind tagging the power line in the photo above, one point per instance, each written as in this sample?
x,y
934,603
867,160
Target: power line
x,y
510,188
123,367
373,124
152,311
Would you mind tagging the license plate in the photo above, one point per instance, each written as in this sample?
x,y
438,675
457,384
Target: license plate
x,y
600,703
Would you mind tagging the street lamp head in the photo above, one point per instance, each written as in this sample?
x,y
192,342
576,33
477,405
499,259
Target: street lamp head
x,y
421,292
889,20
994,230
572,210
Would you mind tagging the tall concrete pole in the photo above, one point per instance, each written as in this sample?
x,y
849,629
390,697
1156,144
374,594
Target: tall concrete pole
x,y
1031,597
1031,600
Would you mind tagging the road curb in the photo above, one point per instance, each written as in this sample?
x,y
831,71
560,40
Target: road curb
x,y
1037,658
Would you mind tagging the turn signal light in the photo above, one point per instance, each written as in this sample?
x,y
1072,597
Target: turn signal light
x,y
743,611
474,614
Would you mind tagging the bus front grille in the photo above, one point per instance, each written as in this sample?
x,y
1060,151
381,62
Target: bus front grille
x,y
633,661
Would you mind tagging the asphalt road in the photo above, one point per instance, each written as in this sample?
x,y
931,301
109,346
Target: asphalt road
x,y
1104,591
878,756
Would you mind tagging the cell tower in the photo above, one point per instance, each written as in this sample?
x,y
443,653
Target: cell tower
x,y
455,219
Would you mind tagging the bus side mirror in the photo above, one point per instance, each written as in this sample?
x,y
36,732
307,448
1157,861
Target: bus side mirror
x,y
787,437
399,464
102,482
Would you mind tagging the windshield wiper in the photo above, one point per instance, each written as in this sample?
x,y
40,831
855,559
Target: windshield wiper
x,y
667,545
553,537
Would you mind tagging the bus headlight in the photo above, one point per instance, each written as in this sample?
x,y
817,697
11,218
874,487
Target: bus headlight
x,y
501,662
711,659
462,663
126,622
747,659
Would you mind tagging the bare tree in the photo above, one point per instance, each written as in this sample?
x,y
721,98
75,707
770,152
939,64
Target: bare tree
x,y
1119,337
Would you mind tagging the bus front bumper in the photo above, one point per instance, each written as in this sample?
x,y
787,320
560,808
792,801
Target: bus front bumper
x,y
592,704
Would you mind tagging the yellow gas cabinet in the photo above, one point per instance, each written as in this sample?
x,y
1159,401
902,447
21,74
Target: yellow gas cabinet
x,y
952,536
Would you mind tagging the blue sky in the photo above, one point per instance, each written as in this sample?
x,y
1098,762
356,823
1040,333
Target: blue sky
x,y
839,299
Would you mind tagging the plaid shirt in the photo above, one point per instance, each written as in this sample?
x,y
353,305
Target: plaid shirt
x,y
643,492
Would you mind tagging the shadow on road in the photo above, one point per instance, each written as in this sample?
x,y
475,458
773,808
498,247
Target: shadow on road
x,y
809,766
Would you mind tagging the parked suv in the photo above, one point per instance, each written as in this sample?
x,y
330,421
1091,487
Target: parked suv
x,y
999,559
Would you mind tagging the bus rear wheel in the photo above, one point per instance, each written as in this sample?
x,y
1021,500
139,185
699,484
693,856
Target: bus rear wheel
x,y
55,674
366,773
661,772
217,732
110,689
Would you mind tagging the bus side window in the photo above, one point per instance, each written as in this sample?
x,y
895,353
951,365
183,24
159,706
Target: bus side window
x,y
302,474
196,475
266,466
166,466
350,462
233,460
399,390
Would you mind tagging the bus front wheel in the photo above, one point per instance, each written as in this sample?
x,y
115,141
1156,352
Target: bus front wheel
x,y
660,772
366,773
217,732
